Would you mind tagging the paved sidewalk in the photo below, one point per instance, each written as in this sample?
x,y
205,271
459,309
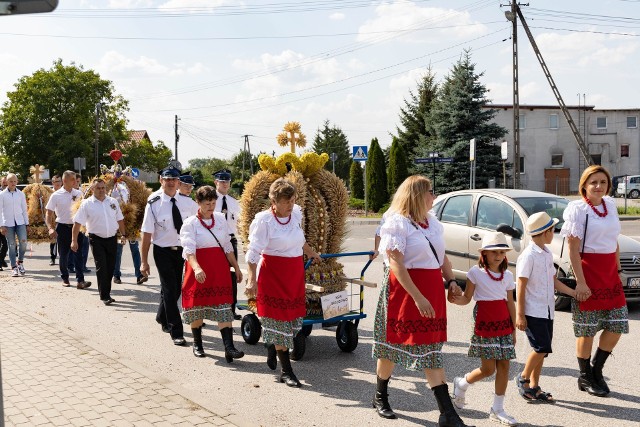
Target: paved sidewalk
x,y
51,378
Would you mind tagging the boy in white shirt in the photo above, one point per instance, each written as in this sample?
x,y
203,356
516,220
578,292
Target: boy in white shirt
x,y
536,280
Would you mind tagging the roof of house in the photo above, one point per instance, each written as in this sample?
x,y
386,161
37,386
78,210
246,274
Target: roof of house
x,y
138,135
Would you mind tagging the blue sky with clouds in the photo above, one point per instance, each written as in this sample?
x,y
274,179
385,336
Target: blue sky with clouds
x,y
229,68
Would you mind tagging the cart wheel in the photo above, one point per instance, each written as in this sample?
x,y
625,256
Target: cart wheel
x,y
299,346
306,330
347,336
251,328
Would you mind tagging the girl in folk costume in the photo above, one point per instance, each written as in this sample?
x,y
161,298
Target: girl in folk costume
x,y
276,274
411,318
491,285
592,228
206,289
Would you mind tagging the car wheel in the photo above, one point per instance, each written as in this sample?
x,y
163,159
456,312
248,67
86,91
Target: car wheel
x,y
633,194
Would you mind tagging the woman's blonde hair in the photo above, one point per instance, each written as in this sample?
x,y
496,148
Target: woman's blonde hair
x,y
590,171
409,198
281,189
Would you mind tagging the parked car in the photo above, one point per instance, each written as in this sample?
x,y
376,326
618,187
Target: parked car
x,y
468,214
629,186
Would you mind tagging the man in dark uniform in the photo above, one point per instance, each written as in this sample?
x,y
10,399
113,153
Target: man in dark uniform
x,y
163,217
231,210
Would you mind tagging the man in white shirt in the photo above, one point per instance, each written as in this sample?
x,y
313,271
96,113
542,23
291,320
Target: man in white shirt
x,y
4,246
60,204
14,221
163,217
56,183
185,188
102,217
231,210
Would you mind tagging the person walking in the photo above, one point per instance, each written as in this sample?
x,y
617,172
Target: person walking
x,y
102,217
277,243
15,222
56,183
120,192
230,208
206,289
164,215
59,204
411,319
592,226
4,245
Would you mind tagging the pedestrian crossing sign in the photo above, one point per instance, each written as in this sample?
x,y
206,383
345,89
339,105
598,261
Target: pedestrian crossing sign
x,y
360,153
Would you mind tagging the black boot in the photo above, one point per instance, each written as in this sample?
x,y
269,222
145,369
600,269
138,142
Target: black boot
x,y
198,350
596,368
448,415
272,360
230,352
287,376
586,381
381,399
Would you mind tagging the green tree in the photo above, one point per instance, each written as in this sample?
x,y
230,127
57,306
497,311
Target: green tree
x,y
398,171
333,140
414,132
239,163
376,177
146,156
457,116
50,118
206,167
356,180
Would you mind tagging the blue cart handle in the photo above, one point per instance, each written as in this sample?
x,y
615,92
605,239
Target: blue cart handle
x,y
308,263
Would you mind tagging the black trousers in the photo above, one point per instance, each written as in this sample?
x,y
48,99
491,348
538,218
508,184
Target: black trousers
x,y
4,247
53,251
64,248
170,265
104,254
234,282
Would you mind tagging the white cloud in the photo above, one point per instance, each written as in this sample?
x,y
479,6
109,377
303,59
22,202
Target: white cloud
x,y
115,62
337,16
406,15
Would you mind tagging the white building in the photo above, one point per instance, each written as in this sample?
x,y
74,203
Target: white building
x,y
550,160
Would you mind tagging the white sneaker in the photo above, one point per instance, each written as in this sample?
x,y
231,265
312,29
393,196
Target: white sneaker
x,y
458,395
21,269
16,272
502,418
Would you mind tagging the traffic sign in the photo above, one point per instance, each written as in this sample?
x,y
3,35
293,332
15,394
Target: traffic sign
x,y
433,160
135,172
360,153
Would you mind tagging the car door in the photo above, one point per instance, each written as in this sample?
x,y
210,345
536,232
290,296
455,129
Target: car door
x,y
455,217
491,212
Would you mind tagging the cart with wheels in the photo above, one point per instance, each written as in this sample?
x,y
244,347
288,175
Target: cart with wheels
x,y
347,323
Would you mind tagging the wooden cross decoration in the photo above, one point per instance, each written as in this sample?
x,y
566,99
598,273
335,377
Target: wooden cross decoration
x,y
36,170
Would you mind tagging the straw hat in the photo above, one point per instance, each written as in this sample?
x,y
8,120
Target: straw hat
x,y
540,222
494,241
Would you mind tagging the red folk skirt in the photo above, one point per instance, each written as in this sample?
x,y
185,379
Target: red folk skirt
x,y
281,289
405,324
601,274
493,319
216,289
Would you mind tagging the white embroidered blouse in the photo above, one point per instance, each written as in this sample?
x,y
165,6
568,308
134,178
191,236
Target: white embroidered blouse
x,y
268,237
193,235
488,289
602,233
399,233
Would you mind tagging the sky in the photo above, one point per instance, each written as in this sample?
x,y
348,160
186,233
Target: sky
x,y
230,68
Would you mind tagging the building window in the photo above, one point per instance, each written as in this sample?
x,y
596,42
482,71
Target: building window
x,y
522,169
553,121
596,159
557,160
632,122
601,122
522,122
624,150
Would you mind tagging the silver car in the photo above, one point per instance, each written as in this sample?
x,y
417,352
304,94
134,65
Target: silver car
x,y
468,214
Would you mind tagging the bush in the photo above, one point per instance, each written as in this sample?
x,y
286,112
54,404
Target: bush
x,y
356,203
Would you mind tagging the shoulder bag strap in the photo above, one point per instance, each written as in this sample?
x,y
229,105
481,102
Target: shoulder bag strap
x,y
584,237
429,241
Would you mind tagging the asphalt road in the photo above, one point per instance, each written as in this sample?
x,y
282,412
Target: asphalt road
x,y
337,386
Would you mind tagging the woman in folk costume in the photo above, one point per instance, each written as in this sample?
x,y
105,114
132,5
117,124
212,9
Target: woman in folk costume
x,y
276,274
491,285
592,228
206,289
411,318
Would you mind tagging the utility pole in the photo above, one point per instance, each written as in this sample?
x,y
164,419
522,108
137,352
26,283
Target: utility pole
x,y
246,150
512,15
177,139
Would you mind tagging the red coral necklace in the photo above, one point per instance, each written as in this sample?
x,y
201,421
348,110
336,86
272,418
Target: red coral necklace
x,y
273,211
603,204
204,224
497,279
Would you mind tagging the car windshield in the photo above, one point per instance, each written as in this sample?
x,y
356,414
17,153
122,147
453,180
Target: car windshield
x,y
554,206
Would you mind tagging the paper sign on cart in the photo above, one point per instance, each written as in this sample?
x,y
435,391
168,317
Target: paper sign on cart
x,y
335,304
